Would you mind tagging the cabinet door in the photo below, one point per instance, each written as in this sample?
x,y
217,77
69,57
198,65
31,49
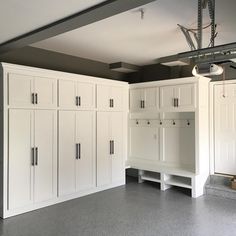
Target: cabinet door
x,y
20,158
45,156
186,96
67,152
118,165
86,94
103,149
85,130
103,96
20,89
135,99
151,98
46,90
167,95
67,94
117,94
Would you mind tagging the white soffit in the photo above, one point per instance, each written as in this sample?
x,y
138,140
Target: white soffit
x,y
18,17
125,37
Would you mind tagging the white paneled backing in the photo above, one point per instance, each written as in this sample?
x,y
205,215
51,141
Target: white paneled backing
x,y
144,141
179,143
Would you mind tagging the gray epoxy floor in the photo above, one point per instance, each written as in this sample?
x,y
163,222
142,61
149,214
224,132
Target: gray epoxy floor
x,y
134,209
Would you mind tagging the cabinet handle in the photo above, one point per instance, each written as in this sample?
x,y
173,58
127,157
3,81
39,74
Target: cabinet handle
x,y
113,147
110,147
76,100
143,103
174,102
79,102
177,102
32,98
112,102
76,151
109,102
32,156
36,156
79,147
36,98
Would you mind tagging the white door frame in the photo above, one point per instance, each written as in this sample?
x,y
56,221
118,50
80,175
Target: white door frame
x,y
211,121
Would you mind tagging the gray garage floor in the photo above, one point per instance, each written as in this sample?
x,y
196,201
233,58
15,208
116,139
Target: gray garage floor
x,y
134,209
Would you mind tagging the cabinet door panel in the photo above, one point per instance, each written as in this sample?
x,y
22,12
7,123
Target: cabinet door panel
x,y
45,168
167,97
46,90
85,130
20,158
117,94
135,99
103,149
103,96
20,90
118,165
151,98
186,95
67,152
67,94
86,92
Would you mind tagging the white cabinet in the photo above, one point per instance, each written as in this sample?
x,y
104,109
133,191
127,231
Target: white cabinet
x,y
76,151
29,91
49,137
144,99
110,98
32,157
178,97
110,151
76,95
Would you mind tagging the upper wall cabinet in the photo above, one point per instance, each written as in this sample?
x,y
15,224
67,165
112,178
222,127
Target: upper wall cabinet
x,y
76,95
110,98
30,91
178,97
144,99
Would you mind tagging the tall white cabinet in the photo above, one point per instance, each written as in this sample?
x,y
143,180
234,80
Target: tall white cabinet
x,y
54,144
76,151
110,161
